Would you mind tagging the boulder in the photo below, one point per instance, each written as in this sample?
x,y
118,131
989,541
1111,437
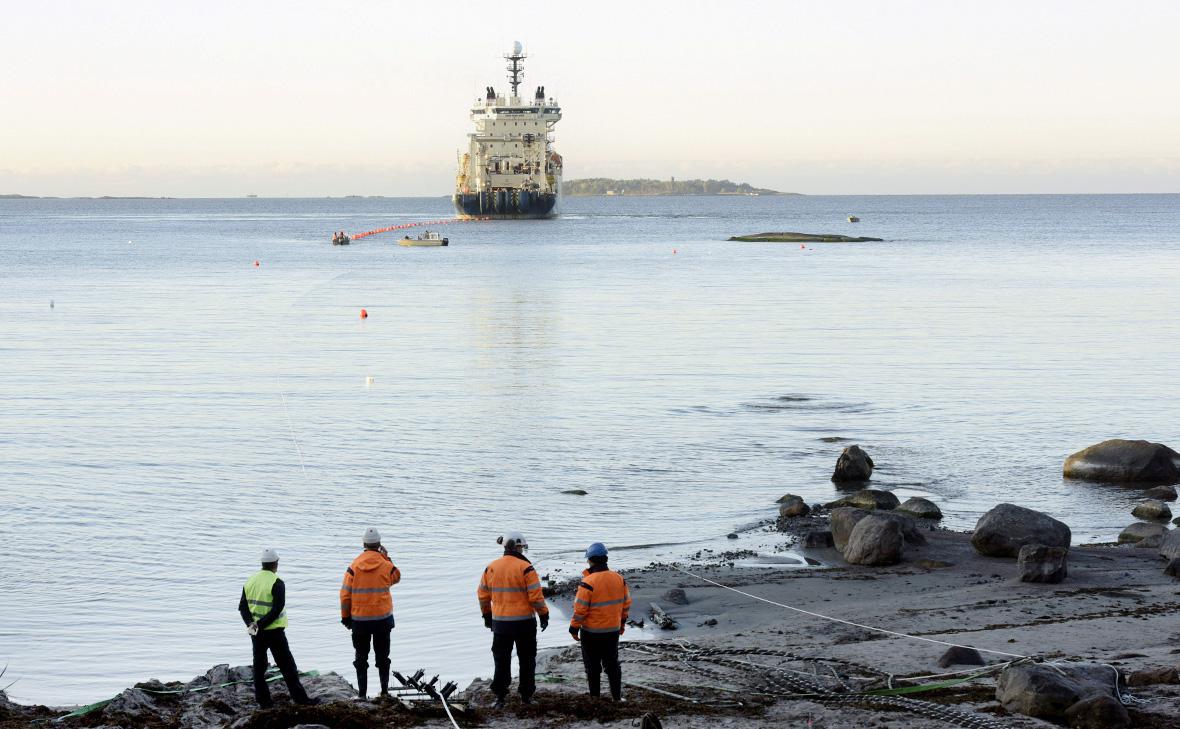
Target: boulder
x,y
1173,568
1098,712
960,656
817,539
1040,563
853,465
793,507
1162,493
1170,547
1141,530
843,519
1003,530
1047,692
868,499
921,508
1125,461
676,596
1152,541
1152,510
1152,676
875,540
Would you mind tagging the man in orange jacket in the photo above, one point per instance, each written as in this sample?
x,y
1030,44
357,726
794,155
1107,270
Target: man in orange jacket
x,y
601,606
366,608
509,596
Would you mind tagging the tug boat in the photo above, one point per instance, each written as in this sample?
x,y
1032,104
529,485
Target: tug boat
x,y
427,239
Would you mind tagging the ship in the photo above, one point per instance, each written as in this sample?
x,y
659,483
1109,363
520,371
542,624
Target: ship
x,y
510,169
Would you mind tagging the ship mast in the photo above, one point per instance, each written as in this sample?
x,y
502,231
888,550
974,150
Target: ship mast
x,y
515,69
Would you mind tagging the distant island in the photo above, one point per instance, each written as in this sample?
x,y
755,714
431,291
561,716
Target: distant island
x,y
608,186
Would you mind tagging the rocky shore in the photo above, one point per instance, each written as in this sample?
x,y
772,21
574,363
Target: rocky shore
x,y
888,621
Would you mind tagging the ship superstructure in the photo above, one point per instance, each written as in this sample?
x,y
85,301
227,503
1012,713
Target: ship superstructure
x,y
510,169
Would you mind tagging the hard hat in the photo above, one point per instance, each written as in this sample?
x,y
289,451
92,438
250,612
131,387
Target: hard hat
x,y
513,540
269,555
372,536
598,549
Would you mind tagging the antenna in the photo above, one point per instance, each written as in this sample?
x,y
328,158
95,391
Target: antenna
x,y
515,70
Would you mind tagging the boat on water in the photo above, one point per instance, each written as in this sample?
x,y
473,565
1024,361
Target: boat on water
x,y
853,219
510,169
425,240
341,239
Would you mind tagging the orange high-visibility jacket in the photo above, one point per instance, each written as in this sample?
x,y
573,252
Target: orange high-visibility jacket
x,y
364,595
602,602
511,590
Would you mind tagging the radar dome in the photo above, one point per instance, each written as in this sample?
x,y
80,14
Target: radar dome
x,y
517,48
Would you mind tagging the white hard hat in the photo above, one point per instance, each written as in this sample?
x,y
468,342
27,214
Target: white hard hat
x,y
372,536
269,555
513,540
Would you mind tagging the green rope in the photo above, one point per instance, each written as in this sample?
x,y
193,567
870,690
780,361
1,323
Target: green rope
x,y
272,675
920,688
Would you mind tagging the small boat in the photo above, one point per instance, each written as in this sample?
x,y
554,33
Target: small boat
x,y
853,219
341,239
425,239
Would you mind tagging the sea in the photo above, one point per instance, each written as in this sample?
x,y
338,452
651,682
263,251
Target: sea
x,y
185,382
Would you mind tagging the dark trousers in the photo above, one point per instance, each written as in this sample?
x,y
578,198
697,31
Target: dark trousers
x,y
275,641
600,652
525,642
375,632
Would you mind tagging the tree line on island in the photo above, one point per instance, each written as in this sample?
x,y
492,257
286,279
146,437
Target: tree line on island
x,y
644,186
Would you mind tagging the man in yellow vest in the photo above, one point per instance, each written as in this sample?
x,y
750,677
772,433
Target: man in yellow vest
x,y
263,610
509,596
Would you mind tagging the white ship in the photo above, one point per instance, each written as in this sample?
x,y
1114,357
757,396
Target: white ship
x,y
510,169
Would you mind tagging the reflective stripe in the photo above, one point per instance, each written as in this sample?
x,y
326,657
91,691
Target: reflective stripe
x,y
600,630
507,589
263,603
371,617
506,618
364,590
580,601
611,602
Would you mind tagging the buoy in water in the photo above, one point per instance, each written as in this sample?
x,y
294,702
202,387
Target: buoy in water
x,y
51,303
802,246
257,264
369,381
364,314
673,251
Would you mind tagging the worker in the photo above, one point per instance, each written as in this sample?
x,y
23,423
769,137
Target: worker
x,y
263,609
509,598
601,606
366,609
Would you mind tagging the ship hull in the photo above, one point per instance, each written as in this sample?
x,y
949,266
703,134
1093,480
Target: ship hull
x,y
506,204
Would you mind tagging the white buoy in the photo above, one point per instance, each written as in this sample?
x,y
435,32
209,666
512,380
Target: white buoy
x,y
369,381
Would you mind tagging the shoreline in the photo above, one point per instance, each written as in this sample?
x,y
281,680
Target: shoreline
x,y
1115,608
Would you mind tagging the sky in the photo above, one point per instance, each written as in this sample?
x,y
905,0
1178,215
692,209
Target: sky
x,y
371,97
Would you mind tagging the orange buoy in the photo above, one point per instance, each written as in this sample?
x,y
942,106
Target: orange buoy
x,y
364,314
673,250
256,264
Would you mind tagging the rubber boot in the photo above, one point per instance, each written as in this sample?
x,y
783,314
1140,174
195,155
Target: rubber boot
x,y
383,672
362,680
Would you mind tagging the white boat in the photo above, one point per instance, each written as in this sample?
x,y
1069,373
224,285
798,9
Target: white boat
x,y
427,239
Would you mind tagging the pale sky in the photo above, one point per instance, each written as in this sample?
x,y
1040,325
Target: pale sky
x,y
371,97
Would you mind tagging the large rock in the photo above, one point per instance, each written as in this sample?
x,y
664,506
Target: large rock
x,y
1048,692
867,499
793,507
845,518
1098,712
1125,461
1170,547
1038,563
961,656
1152,510
1002,531
817,539
920,508
853,465
1162,493
1141,530
875,540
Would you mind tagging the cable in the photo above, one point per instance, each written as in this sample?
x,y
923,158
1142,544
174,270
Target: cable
x,y
849,622
448,710
291,429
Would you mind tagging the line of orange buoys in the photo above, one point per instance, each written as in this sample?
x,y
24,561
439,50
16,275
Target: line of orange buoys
x,y
403,226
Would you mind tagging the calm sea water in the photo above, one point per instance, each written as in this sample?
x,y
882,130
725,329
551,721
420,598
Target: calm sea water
x,y
178,408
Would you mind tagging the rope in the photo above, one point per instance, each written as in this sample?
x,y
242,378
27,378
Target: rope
x,y
291,429
849,622
386,229
448,710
